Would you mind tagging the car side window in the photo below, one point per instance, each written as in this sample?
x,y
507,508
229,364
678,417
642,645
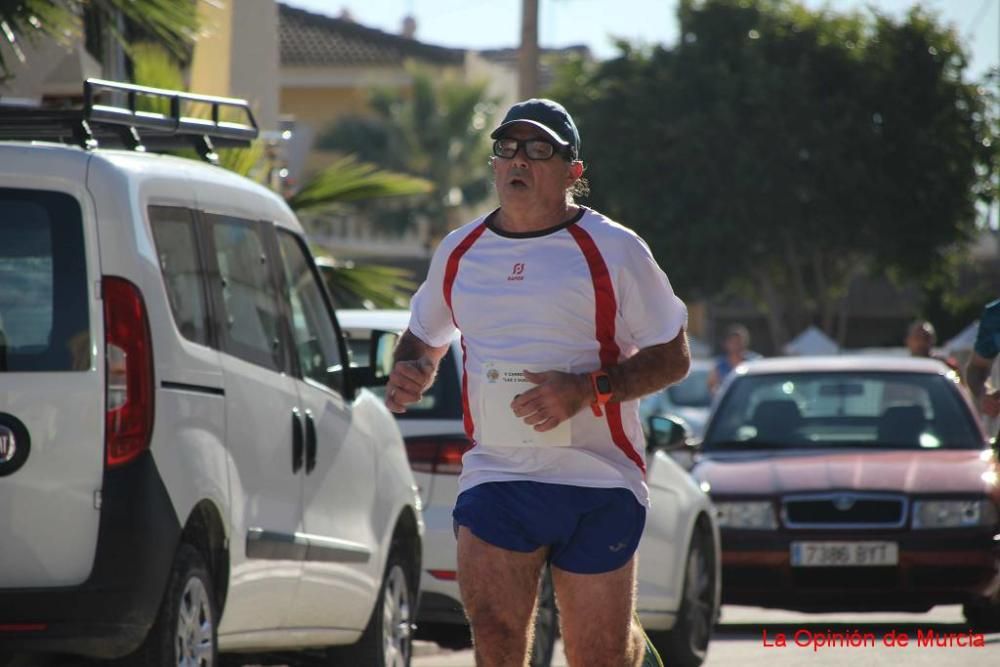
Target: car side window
x,y
317,344
183,277
249,297
44,323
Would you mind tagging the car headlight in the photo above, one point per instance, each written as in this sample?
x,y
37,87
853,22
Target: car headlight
x,y
752,515
953,513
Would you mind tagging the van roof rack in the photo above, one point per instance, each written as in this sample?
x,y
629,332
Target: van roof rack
x,y
123,125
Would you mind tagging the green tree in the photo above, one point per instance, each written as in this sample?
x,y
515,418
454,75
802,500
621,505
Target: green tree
x,y
172,23
438,130
779,152
343,182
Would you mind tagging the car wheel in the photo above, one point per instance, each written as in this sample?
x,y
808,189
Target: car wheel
x,y
982,616
546,623
388,639
686,644
184,633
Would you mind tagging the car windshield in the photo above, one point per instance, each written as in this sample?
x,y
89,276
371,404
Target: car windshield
x,y
692,391
842,409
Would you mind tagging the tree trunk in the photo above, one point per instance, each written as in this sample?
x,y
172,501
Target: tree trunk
x,y
775,312
527,59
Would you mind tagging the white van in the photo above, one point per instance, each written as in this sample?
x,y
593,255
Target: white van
x,y
187,467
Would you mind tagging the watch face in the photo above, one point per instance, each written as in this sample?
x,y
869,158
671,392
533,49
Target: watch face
x,y
603,384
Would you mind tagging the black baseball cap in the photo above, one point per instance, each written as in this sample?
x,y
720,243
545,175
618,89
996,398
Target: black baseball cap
x,y
546,115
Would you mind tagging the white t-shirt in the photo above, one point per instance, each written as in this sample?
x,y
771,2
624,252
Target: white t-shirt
x,y
576,297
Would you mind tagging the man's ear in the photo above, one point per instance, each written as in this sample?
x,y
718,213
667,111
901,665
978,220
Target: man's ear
x,y
576,170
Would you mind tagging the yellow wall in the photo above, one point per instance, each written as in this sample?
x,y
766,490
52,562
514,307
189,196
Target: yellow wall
x,y
210,67
318,107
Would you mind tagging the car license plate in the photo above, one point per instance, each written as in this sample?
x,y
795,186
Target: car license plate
x,y
844,554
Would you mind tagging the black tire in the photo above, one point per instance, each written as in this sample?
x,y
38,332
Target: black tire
x,y
452,636
186,626
686,644
982,616
546,623
388,639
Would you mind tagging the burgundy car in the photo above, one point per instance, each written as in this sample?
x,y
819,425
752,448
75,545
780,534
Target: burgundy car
x,y
853,483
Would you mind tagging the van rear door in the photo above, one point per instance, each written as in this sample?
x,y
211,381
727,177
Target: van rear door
x,y
51,386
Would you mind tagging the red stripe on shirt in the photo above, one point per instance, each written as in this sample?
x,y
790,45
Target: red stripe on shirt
x,y
450,272
606,308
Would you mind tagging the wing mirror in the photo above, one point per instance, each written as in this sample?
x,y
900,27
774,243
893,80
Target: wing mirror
x,y
666,434
379,363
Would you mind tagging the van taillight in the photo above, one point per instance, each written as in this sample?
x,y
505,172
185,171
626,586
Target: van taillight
x,y
128,354
437,455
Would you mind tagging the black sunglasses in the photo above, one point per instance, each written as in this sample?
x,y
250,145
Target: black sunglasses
x,y
534,149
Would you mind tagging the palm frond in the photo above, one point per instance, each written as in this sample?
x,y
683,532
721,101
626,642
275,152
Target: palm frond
x,y
348,180
366,285
172,23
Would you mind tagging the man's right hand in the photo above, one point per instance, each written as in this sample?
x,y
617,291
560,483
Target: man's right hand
x,y
407,383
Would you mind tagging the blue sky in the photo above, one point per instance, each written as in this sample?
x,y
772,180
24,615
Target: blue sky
x,y
496,23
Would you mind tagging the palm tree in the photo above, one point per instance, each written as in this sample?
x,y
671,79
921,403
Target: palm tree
x,y
436,129
342,182
172,23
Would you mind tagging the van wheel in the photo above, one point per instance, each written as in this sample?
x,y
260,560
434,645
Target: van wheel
x,y
546,623
184,633
388,639
982,616
686,644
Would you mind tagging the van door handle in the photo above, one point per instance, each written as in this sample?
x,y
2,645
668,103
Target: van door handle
x,y
296,440
310,442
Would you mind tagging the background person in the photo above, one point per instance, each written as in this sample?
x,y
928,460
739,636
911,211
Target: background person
x,y
984,354
571,311
920,340
736,350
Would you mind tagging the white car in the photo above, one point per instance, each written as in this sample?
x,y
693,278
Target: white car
x,y
689,399
187,468
679,561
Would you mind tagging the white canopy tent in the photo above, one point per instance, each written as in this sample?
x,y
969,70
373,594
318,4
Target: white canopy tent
x,y
811,341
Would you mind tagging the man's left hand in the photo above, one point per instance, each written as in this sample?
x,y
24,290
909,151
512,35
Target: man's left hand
x,y
557,397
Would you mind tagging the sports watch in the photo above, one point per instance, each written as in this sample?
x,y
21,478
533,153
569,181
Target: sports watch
x,y
601,382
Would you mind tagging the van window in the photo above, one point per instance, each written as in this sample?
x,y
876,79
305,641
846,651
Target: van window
x,y
316,340
44,321
249,299
177,250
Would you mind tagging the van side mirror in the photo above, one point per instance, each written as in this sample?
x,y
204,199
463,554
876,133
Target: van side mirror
x,y
666,433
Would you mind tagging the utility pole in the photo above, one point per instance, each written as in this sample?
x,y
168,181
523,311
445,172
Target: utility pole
x,y
527,57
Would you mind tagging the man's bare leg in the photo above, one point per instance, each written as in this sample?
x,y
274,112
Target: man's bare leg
x,y
499,589
596,613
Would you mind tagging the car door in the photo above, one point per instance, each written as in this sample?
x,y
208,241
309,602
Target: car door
x,y
263,427
340,577
52,382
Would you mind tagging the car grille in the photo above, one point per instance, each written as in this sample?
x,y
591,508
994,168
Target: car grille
x,y
844,510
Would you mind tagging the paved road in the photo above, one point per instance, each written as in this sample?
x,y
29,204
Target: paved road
x,y
739,641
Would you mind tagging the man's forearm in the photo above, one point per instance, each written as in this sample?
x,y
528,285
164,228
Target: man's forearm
x,y
650,369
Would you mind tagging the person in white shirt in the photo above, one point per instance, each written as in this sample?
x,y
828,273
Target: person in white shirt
x,y
566,321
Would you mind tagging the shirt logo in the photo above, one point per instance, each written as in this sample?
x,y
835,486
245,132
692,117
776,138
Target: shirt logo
x,y
517,273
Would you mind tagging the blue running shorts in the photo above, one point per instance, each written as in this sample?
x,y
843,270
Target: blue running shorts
x,y
589,530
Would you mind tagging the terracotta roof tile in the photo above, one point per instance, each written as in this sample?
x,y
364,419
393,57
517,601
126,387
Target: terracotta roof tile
x,y
308,39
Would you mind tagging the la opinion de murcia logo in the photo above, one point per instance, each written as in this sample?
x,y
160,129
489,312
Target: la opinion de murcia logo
x,y
8,445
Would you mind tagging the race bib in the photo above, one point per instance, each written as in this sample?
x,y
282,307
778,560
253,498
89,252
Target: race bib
x,y
500,426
